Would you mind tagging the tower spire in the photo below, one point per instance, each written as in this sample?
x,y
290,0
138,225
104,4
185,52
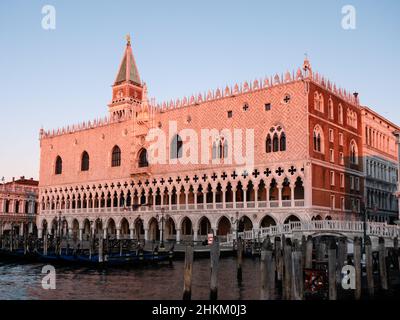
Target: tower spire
x,y
128,70
127,86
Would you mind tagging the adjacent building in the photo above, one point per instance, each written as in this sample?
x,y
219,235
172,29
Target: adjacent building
x,y
19,205
269,151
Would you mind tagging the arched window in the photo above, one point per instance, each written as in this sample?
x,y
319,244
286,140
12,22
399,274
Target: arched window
x,y
282,143
330,108
275,143
58,169
268,144
353,152
318,139
176,147
321,102
116,157
214,150
316,101
143,158
85,161
340,114
225,149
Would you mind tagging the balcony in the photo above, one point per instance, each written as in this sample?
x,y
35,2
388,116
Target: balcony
x,y
243,206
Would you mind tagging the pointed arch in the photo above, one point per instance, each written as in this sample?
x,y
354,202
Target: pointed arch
x,y
116,157
58,167
282,142
268,144
143,162
176,147
85,161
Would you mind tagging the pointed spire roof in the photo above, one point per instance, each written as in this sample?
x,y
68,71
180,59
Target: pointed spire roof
x,y
128,70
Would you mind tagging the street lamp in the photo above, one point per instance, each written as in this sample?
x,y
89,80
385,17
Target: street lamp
x,y
161,219
140,220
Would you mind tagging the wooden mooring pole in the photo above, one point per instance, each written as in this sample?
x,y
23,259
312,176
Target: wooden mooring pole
x,y
341,258
332,270
287,275
187,273
278,258
297,287
239,259
214,259
357,266
308,254
369,266
267,269
382,264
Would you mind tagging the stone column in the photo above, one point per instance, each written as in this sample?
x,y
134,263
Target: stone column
x,y
292,194
80,234
105,233
244,197
146,234
279,195
169,200
131,233
40,233
195,235
256,197
267,187
154,201
223,198
195,199
118,233
178,236
214,198
186,200
234,197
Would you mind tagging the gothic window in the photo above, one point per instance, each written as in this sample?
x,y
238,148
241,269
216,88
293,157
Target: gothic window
x,y
143,158
116,157
220,149
340,114
276,140
85,161
58,169
275,143
214,150
316,101
353,152
330,109
268,144
318,139
225,149
282,143
176,147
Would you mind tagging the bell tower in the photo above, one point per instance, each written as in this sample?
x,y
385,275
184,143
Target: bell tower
x,y
127,89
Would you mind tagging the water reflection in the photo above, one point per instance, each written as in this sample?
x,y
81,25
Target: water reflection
x,y
163,282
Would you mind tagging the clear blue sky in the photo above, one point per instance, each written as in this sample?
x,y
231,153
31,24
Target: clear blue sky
x,y
60,77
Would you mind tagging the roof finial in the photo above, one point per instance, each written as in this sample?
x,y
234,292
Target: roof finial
x,y
128,39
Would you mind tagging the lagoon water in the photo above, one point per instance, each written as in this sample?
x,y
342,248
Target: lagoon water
x,y
24,282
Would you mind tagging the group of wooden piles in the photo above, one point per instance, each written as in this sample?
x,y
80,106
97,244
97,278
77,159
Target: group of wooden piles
x,y
284,265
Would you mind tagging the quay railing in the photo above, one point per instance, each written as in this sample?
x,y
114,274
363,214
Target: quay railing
x,y
376,229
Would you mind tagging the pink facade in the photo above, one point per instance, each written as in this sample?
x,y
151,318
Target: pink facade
x,y
98,170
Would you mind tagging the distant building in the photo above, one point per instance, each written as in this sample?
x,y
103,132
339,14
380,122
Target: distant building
x,y
19,205
381,166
